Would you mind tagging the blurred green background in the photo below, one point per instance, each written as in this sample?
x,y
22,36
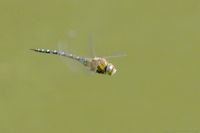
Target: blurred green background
x,y
156,88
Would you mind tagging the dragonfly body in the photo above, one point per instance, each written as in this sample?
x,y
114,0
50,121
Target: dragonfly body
x,y
97,64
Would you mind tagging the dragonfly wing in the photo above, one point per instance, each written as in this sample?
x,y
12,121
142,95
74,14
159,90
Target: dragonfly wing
x,y
91,45
73,65
115,56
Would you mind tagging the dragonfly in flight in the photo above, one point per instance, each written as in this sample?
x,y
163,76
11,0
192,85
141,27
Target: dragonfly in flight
x,y
95,64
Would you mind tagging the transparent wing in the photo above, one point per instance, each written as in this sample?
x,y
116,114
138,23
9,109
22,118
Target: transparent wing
x,y
91,45
115,56
73,65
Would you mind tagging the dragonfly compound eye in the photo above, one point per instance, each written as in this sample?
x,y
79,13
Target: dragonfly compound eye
x,y
110,69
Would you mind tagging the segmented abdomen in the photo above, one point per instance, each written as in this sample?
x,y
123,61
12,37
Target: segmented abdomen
x,y
48,51
82,60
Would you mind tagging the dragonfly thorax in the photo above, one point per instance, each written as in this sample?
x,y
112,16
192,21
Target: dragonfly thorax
x,y
103,66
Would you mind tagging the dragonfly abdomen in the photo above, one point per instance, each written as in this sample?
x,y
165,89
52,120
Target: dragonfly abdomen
x,y
47,51
82,60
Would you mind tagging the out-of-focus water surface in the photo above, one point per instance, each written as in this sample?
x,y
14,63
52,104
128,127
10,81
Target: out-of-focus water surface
x,y
156,88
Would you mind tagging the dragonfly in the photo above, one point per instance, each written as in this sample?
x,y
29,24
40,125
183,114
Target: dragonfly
x,y
95,64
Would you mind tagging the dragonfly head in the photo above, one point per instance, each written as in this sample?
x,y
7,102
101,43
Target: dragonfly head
x,y
110,69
